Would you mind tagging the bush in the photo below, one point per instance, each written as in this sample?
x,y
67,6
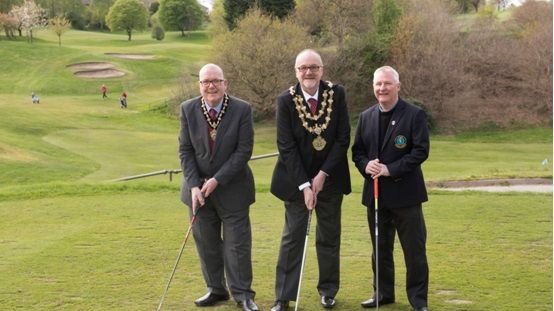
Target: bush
x,y
158,32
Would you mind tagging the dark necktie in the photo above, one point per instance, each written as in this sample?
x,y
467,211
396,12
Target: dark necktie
x,y
213,114
313,105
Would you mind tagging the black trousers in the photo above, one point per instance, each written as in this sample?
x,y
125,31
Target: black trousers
x,y
328,230
410,225
223,239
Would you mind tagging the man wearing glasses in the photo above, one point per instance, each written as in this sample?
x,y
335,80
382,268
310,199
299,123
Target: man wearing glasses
x,y
313,136
215,143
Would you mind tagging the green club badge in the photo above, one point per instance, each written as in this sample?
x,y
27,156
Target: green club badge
x,y
400,142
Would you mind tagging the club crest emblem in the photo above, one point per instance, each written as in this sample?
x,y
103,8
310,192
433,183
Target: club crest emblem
x,y
400,142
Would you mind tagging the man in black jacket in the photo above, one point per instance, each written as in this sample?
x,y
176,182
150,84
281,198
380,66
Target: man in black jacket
x,y
391,143
313,135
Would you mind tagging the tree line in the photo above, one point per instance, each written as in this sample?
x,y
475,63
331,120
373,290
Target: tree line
x,y
25,16
491,67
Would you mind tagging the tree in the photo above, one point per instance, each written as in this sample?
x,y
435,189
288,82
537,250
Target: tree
x,y
6,5
73,10
127,15
30,16
277,8
97,11
9,23
235,10
258,59
59,25
180,15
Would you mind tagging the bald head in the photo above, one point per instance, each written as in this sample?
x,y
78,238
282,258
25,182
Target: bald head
x,y
212,68
308,53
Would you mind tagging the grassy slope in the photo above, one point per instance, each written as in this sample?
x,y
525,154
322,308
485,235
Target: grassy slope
x,y
71,241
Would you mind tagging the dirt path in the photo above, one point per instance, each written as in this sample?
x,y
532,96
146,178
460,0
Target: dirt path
x,y
496,185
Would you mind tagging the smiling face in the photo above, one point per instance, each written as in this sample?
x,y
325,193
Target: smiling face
x,y
212,84
385,88
309,69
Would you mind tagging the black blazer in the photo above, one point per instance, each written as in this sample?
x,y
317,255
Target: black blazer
x,y
298,160
405,147
228,162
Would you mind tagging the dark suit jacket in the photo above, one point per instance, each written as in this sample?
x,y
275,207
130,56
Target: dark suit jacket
x,y
298,161
405,147
228,162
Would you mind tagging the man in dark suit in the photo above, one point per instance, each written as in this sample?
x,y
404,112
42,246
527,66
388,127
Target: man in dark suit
x,y
215,144
391,142
313,135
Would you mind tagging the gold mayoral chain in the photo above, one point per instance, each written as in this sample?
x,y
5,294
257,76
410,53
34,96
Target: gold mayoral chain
x,y
304,115
215,124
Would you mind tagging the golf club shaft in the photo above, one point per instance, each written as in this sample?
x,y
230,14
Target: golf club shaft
x,y
303,261
192,220
376,196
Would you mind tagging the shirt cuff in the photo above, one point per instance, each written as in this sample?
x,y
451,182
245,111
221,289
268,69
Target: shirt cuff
x,y
304,186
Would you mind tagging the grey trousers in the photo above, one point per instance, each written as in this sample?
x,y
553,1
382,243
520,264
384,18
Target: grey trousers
x,y
223,239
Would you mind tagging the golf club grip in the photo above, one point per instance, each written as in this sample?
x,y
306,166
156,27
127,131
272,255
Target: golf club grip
x,y
309,222
376,188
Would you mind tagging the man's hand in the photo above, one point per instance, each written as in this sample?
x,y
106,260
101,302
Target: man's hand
x,y
309,198
374,168
197,198
209,187
318,182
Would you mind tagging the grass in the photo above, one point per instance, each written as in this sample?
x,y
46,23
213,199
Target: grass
x,y
72,240
105,250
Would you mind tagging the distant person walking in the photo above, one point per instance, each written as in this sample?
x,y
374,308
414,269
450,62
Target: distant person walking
x,y
104,90
123,100
35,98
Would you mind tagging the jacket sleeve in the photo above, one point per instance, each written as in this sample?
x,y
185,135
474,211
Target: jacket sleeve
x,y
289,152
360,155
186,151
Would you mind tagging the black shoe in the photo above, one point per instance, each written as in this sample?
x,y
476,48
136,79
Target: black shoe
x,y
280,305
372,302
248,305
327,302
421,309
210,299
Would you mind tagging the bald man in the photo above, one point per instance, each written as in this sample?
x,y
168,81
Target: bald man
x,y
313,135
215,144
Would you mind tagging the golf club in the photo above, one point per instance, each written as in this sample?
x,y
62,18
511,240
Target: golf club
x,y
192,220
376,196
303,261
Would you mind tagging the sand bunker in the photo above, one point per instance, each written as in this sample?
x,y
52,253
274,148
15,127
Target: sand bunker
x,y
91,65
131,56
96,70
100,73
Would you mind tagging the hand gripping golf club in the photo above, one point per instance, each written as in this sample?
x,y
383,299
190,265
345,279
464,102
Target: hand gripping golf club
x,y
376,196
192,220
303,261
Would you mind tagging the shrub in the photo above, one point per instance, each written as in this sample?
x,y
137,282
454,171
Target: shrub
x,y
158,32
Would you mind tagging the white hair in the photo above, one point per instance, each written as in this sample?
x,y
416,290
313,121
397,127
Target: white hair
x,y
389,69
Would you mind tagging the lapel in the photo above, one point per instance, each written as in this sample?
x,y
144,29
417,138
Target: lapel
x,y
203,125
396,116
223,125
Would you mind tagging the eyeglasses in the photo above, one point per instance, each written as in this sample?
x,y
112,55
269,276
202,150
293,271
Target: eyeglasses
x,y
312,68
206,83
